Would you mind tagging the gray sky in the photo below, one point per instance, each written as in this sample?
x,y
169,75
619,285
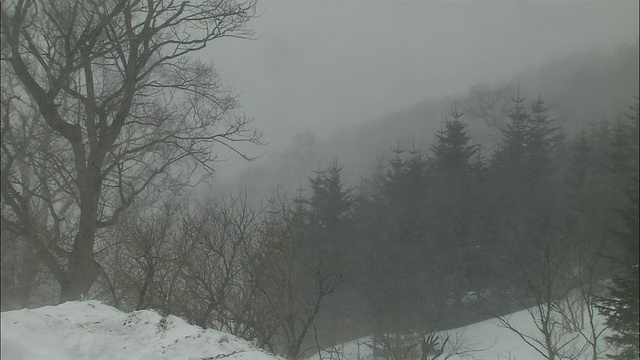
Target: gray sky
x,y
322,65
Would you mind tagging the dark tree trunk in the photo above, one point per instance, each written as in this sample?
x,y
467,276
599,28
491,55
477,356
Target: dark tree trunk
x,y
82,275
83,270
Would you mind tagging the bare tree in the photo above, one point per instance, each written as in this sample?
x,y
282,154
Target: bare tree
x,y
24,143
424,345
138,254
192,261
19,261
243,312
488,104
126,106
21,270
558,304
580,310
220,241
291,283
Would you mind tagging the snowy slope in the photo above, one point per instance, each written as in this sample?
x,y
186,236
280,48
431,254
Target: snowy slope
x,y
483,340
92,330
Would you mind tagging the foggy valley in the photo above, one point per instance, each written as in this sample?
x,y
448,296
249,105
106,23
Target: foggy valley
x,y
320,179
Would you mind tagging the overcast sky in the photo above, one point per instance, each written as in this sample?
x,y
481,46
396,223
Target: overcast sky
x,y
322,65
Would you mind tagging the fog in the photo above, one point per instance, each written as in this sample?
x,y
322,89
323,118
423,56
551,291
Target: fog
x,y
322,66
427,165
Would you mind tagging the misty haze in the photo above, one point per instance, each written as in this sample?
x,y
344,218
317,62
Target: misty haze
x,y
263,179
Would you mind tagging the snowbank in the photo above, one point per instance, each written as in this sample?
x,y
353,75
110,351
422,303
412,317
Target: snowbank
x,y
92,330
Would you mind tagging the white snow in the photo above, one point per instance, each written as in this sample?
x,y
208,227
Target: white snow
x,y
92,330
483,340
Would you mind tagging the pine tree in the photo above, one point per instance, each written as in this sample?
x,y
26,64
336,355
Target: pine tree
x,y
300,213
394,184
516,134
330,236
582,209
542,137
524,189
621,307
329,211
580,162
452,152
414,207
394,226
453,202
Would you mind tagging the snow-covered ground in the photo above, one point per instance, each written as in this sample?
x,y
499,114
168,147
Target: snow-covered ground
x,y
483,340
92,330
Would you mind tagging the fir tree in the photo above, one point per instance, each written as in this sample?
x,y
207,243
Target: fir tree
x,y
452,152
329,210
453,201
542,137
580,162
523,188
621,307
516,134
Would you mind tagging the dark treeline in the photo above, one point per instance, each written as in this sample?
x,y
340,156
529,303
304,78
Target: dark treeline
x,y
441,238
432,239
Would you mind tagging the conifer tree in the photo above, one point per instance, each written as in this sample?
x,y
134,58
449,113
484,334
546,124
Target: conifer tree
x,y
330,233
515,135
580,162
395,232
453,201
621,306
452,152
329,214
542,137
415,191
330,203
523,191
394,183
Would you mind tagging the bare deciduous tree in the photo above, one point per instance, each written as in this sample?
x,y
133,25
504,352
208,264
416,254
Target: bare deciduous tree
x,y
425,345
26,240
126,106
561,304
138,255
291,284
220,241
488,104
542,275
580,310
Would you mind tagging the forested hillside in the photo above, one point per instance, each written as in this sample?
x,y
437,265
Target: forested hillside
x,y
582,89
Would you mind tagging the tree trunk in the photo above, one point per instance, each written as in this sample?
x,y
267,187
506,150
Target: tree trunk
x,y
83,269
82,277
83,272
